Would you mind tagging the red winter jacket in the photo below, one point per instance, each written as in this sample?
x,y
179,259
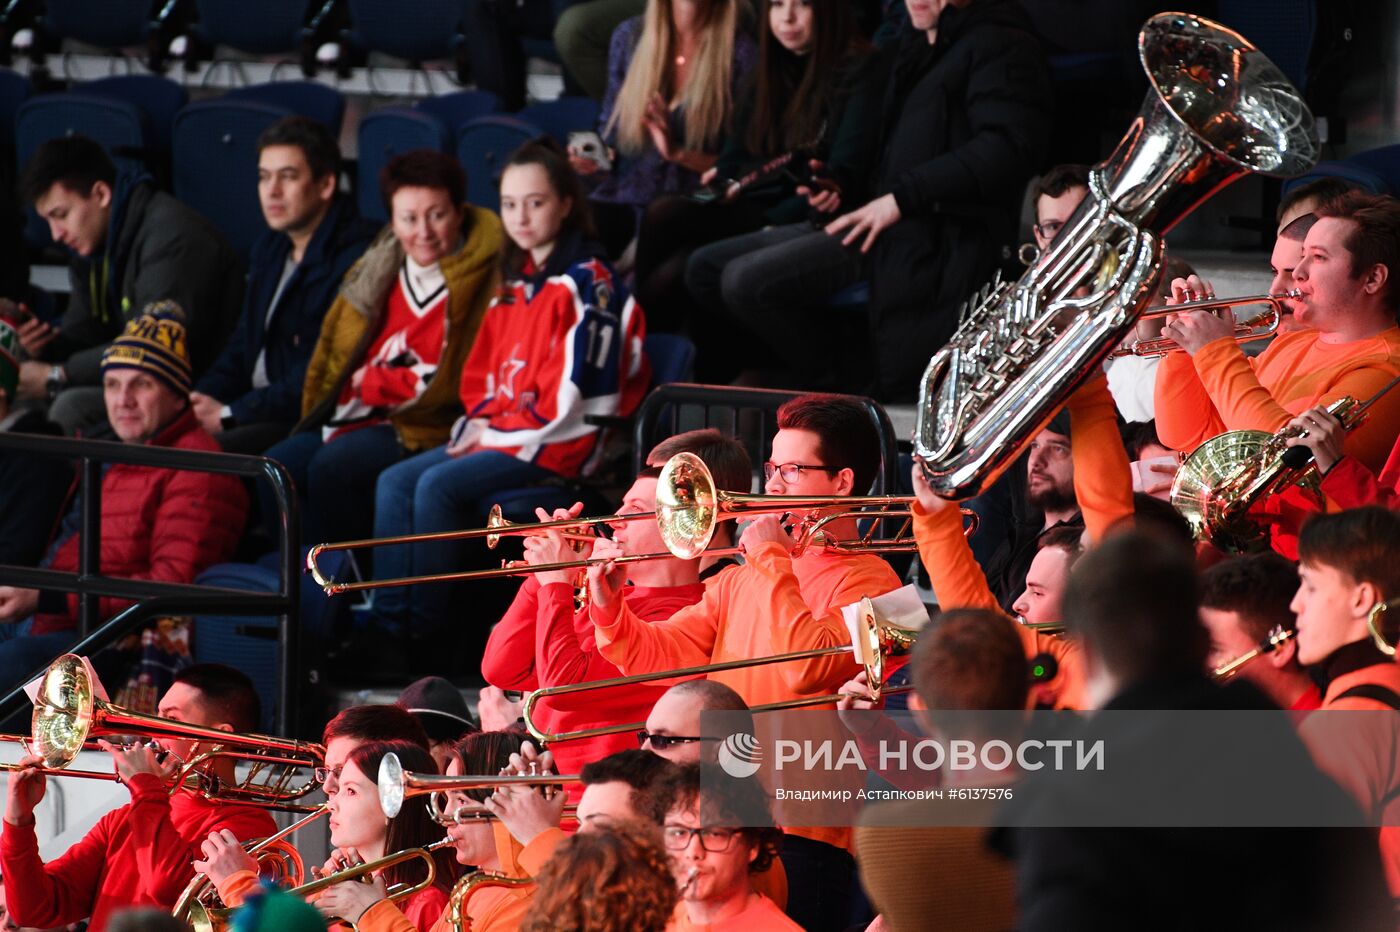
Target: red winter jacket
x,y
164,525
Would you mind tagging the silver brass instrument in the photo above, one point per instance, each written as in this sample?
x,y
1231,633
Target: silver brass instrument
x,y
1217,110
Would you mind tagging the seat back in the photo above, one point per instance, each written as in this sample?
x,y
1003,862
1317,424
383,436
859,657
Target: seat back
x,y
121,23
672,358
323,104
460,107
483,146
563,116
383,135
423,30
748,414
159,98
262,27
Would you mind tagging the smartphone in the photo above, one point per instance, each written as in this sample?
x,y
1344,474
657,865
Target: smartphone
x,y
589,145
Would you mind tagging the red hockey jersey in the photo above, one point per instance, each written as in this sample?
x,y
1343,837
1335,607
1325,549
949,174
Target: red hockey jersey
x,y
552,349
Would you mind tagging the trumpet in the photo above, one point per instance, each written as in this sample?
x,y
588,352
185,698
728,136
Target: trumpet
x,y
464,889
878,641
1257,327
689,509
397,784
67,713
1278,637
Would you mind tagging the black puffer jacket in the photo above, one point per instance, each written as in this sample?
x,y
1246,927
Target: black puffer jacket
x,y
964,127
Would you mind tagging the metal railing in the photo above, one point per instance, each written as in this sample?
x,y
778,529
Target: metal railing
x,y
160,599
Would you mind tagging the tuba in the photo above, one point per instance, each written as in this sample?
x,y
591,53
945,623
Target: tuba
x,y
1217,110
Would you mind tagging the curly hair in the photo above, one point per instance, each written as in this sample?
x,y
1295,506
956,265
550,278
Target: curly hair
x,y
721,801
614,881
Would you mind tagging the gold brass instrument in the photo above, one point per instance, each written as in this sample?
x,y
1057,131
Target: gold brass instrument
x,y
24,741
67,713
1217,109
1257,327
1373,625
877,643
1228,475
1276,639
462,892
278,861
397,784
689,508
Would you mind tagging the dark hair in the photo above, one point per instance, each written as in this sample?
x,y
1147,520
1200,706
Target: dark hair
x,y
1360,542
728,461
793,93
1138,435
1298,227
316,143
375,723
640,770
413,827
614,881
1060,179
1132,602
1259,588
1374,238
76,162
1156,517
971,658
423,168
554,162
228,694
846,434
1068,539
486,752
721,802
1322,189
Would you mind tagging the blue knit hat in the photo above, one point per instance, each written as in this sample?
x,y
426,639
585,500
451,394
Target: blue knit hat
x,y
154,342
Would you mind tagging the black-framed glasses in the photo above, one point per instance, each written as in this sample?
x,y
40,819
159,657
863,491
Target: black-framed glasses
x,y
677,837
791,472
1049,229
662,742
323,774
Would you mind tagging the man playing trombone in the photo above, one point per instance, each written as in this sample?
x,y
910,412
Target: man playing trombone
x,y
140,854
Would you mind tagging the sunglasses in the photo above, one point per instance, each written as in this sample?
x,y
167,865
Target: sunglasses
x,y
662,742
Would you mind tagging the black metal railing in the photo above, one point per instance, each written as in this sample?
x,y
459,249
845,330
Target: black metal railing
x,y
160,599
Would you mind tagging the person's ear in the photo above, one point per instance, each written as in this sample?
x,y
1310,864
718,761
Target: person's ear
x,y
568,207
101,193
328,184
1284,654
1373,282
846,482
1364,596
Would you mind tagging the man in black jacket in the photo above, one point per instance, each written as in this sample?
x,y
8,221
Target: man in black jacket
x,y
964,124
251,397
132,245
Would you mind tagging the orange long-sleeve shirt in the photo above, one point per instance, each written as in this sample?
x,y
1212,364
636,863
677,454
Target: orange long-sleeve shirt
x,y
1221,389
418,912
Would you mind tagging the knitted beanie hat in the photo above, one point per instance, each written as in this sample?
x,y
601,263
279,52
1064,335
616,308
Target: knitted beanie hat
x,y
154,342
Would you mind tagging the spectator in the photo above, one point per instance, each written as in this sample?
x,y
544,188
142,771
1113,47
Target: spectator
x,y
359,725
674,76
34,486
382,380
963,124
1345,481
1307,198
562,339
583,34
815,99
443,713
251,397
1283,261
131,245
163,525
731,469
616,881
672,727
1352,347
619,789
494,33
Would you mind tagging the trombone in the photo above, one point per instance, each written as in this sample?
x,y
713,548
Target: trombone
x,y
1258,327
457,918
1278,637
397,784
67,713
689,509
877,643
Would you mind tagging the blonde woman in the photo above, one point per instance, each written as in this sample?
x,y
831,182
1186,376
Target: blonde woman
x,y
674,74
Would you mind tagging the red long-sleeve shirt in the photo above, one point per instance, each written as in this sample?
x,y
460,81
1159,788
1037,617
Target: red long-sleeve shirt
x,y
138,855
541,641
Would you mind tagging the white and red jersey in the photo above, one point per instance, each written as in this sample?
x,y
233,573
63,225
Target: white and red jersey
x,y
403,356
552,349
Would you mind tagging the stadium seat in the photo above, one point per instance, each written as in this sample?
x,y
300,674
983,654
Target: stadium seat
x,y
259,27
483,145
563,116
159,98
672,358
322,104
425,30
384,134
120,24
460,107
1376,171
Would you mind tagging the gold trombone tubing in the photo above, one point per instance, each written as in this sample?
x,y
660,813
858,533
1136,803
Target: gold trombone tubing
x,y
458,919
397,784
1254,328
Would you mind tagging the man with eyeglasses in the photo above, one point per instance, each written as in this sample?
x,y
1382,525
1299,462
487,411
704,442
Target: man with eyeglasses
x,y
362,724
673,726
776,603
718,841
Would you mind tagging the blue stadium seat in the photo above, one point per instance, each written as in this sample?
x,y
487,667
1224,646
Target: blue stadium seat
x,y
215,163
1281,29
563,116
260,27
120,127
460,107
383,135
672,358
120,24
424,30
483,145
1376,171
159,98
322,104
